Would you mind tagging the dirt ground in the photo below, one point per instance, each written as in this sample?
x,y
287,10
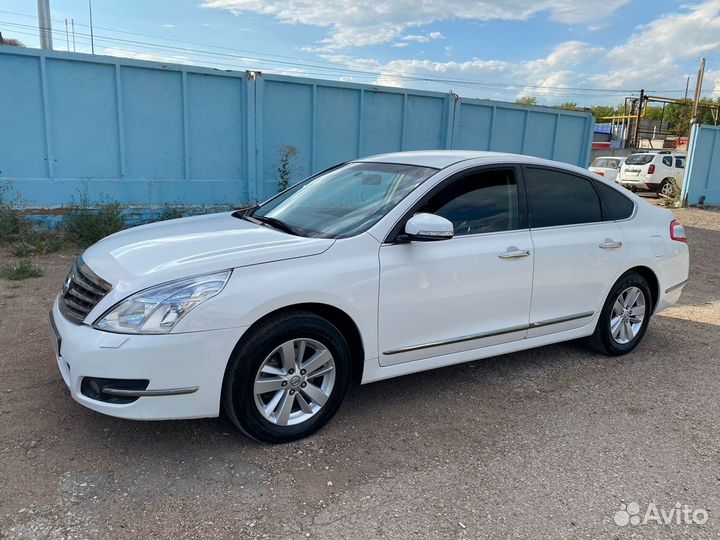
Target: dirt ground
x,y
544,443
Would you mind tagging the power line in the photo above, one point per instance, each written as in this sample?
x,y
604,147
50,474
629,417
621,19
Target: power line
x,y
355,72
262,57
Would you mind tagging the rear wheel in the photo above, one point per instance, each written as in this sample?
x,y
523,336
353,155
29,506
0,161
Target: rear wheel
x,y
625,316
287,378
666,188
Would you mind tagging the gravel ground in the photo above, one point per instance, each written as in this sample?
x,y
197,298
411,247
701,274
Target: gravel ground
x,y
543,443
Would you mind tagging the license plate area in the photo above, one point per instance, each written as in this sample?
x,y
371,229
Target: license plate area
x,y
55,338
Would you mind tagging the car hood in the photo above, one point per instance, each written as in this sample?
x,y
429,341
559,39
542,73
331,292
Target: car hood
x,y
159,252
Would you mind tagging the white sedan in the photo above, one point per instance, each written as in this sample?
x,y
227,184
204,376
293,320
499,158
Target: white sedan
x,y
375,268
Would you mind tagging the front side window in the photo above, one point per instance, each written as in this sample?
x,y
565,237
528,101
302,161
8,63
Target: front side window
x,y
342,202
557,198
478,203
680,162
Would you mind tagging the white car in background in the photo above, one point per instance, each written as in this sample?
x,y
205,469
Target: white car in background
x,y
376,268
661,172
607,166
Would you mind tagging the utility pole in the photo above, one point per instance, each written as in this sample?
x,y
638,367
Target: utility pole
x,y
698,91
636,137
44,24
92,36
72,25
67,37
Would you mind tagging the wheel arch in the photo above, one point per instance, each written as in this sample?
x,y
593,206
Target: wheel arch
x,y
336,316
652,280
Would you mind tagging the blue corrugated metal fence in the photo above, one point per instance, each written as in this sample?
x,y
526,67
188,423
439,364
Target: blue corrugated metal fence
x,y
702,177
143,133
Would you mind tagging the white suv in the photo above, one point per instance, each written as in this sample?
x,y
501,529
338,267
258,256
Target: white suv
x,y
653,171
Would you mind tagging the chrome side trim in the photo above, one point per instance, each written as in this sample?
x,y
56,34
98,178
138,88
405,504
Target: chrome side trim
x,y
140,393
675,287
458,340
559,320
490,334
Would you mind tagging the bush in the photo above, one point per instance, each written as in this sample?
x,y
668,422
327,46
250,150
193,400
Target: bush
x,y
288,165
37,243
171,212
11,222
86,225
23,270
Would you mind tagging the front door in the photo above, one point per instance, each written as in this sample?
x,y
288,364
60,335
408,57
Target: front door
x,y
443,297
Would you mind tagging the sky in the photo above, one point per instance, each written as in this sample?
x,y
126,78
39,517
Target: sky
x,y
583,51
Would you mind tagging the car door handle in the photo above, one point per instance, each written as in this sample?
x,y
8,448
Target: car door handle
x,y
514,253
610,244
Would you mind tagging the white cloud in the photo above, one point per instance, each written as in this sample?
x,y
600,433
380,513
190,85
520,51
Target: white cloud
x,y
168,26
423,38
400,45
711,84
356,24
657,57
150,57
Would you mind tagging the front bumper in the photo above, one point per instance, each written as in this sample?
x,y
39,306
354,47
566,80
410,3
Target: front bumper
x,y
170,362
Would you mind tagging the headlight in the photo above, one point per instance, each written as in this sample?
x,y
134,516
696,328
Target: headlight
x,y
158,309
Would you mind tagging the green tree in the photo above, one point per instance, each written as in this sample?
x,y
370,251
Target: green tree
x,y
602,111
526,100
568,105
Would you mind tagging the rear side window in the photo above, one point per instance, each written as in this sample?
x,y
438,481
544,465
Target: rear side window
x,y
617,204
479,203
667,160
639,159
556,198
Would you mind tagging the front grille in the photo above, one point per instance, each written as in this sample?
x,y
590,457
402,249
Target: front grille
x,y
82,291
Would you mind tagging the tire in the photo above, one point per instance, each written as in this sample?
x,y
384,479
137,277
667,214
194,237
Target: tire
x,y
612,340
265,348
666,188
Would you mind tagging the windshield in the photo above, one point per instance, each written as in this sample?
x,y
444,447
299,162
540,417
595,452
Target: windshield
x,y
639,159
345,201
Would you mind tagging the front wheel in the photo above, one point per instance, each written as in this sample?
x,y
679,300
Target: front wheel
x,y
625,316
287,378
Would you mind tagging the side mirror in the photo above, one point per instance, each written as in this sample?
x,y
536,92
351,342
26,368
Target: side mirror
x,y
428,228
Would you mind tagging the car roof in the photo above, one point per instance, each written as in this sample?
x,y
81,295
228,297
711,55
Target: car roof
x,y
440,159
658,153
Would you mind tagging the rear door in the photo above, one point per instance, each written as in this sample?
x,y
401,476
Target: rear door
x,y
577,252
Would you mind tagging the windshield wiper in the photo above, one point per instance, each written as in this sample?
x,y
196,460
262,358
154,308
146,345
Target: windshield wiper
x,y
241,213
275,223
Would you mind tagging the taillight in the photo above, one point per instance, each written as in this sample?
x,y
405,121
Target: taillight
x,y
677,231
651,168
601,173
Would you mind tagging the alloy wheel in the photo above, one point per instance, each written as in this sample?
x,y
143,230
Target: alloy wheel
x,y
294,382
628,314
